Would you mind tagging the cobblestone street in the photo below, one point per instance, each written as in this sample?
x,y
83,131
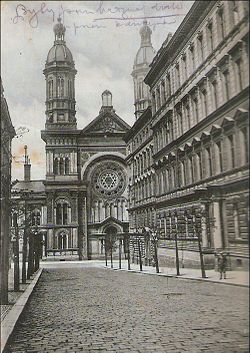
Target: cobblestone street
x,y
100,310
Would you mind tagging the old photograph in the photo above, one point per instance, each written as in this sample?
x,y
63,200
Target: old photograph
x,y
124,176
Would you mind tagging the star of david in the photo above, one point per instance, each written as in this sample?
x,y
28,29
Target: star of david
x,y
109,180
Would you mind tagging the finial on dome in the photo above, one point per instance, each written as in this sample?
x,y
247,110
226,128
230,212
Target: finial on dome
x,y
59,30
145,33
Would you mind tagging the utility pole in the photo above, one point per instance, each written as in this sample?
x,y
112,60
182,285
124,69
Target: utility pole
x,y
16,256
25,240
128,241
198,233
120,253
156,253
30,269
139,253
111,252
176,246
106,248
37,250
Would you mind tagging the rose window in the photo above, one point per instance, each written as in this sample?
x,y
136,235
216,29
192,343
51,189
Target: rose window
x,y
109,179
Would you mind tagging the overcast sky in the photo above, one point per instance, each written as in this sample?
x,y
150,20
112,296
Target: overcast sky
x,y
103,38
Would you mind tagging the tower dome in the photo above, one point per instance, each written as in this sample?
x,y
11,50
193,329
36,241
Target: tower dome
x,y
59,52
146,51
60,83
142,61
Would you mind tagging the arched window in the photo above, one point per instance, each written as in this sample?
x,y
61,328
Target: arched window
x,y
65,213
61,166
55,167
66,165
62,241
60,87
50,89
36,218
62,213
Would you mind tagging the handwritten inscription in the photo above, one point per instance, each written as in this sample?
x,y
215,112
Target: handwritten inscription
x,y
101,15
23,13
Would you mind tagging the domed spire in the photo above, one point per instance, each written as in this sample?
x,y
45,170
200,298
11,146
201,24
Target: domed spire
x,y
59,30
145,33
143,58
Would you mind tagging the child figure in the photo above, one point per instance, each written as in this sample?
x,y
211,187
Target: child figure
x,y
222,264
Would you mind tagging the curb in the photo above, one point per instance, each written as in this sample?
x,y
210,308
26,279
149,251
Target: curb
x,y
181,277
10,320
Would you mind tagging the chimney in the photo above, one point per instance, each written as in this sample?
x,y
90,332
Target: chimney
x,y
27,165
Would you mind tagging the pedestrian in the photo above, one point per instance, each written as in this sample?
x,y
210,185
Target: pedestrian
x,y
222,264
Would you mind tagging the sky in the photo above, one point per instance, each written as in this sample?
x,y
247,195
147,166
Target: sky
x,y
103,37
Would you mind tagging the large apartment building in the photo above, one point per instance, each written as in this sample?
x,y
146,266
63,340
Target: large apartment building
x,y
199,134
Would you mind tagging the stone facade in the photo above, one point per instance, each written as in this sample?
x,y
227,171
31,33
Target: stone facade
x,y
86,179
199,91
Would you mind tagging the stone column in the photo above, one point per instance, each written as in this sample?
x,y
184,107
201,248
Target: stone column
x,y
217,231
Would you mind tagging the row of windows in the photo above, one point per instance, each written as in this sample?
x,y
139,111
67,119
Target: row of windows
x,y
59,89
144,189
197,52
142,218
140,138
35,218
142,161
61,166
220,84
118,210
206,160
63,213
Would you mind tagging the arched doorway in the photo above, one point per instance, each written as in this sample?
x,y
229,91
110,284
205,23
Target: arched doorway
x,y
110,238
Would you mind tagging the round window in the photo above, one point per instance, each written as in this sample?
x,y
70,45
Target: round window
x,y
108,179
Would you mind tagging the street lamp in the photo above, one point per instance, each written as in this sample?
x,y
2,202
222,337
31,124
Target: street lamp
x,y
198,228
154,239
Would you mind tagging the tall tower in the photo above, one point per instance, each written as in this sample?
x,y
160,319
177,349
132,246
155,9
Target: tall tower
x,y
60,84
143,58
60,136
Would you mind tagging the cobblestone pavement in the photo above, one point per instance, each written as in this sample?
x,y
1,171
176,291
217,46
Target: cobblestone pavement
x,y
101,310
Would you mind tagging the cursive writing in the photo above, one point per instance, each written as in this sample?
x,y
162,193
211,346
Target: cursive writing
x,y
76,27
23,13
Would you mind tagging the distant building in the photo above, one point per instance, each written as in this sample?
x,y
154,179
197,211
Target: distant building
x,y
7,134
29,201
86,178
199,86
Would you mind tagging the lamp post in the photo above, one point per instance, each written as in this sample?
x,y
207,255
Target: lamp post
x,y
128,249
37,249
30,269
25,245
155,239
198,233
106,249
111,251
139,251
120,253
16,255
176,245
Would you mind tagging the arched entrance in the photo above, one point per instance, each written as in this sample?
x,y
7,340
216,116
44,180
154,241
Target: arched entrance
x,y
110,239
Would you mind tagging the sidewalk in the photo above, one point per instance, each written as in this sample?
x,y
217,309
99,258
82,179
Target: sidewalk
x,y
14,296
240,278
237,278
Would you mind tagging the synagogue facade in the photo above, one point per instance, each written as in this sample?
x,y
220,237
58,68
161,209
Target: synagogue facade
x,y
86,179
